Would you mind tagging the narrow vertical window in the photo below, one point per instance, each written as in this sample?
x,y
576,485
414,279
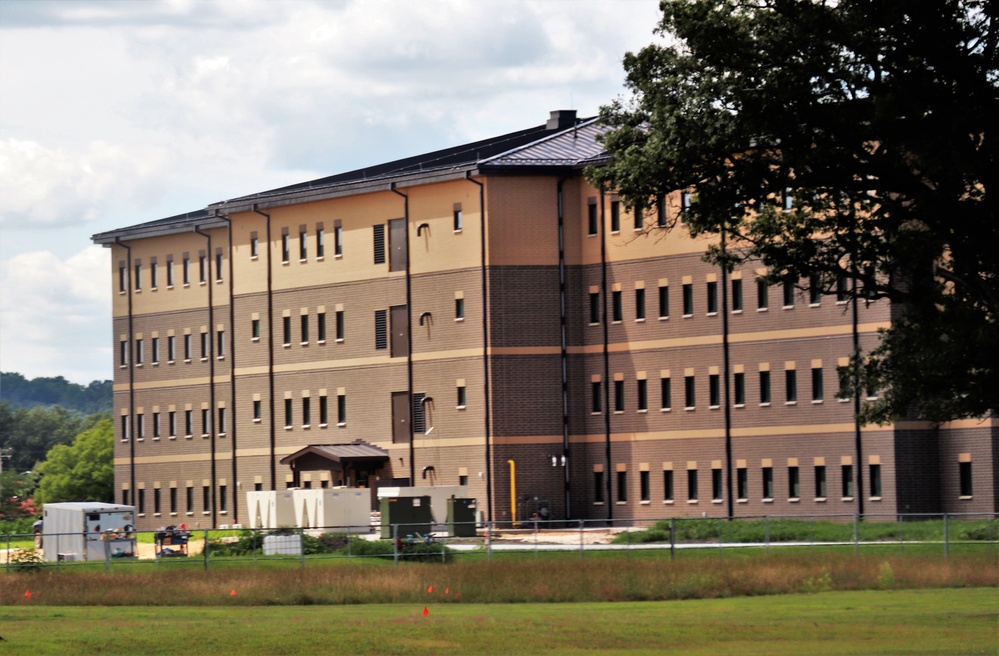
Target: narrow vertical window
x,y
156,424
459,308
324,411
187,346
762,294
768,482
206,499
814,290
791,386
664,302
615,220
622,486
304,325
793,483
172,423
202,268
596,399
171,348
206,420
594,307
254,245
204,346
457,219
138,276
338,240
221,421
303,244
644,486
255,328
223,498
737,295
220,346
138,352
739,382
122,279
692,493
173,501
591,223
688,300
965,487
616,307
189,498
287,413
321,326
639,211
716,485
640,305
153,275
188,423
742,483
820,481
219,259
712,297
339,325
714,390
155,350
186,270
258,410
341,409
142,501
661,211
764,388
643,394
874,479
124,428
817,394
668,494
320,243
598,487
847,481
618,396
286,247
842,288
306,411
462,396
666,394
169,271
140,426
286,330
787,288
689,389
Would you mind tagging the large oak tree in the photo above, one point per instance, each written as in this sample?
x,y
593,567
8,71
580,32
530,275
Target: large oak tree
x,y
876,116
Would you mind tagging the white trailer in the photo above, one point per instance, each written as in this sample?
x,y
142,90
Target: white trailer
x,y
337,507
271,508
87,530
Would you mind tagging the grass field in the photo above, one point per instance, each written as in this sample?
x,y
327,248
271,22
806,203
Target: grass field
x,y
949,621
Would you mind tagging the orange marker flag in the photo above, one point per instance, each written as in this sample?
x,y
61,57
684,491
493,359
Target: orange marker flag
x,y
232,593
426,611
27,594
447,590
430,588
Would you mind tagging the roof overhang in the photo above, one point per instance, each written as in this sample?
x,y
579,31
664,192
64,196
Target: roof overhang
x,y
352,454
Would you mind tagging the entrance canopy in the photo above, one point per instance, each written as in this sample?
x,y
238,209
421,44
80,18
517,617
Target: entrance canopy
x,y
350,463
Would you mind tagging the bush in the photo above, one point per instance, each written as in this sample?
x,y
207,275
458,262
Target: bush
x,y
26,560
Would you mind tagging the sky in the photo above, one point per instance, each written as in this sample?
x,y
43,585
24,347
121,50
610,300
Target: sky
x,y
117,112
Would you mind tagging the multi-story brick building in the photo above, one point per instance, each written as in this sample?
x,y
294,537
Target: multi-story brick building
x,y
481,315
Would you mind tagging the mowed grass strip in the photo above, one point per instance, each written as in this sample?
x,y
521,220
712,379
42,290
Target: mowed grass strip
x,y
951,621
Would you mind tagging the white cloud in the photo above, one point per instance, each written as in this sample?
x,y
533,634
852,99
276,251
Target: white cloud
x,y
55,315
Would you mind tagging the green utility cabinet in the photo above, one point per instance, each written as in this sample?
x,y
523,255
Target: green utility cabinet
x,y
412,513
461,517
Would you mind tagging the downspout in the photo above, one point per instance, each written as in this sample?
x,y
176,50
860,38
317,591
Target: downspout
x,y
270,347
858,440
606,355
131,375
564,346
409,339
485,344
232,371
211,368
727,375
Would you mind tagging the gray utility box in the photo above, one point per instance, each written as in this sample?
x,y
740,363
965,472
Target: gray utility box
x,y
87,530
461,517
412,513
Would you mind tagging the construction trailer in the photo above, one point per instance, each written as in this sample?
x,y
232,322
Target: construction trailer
x,y
271,509
342,507
87,530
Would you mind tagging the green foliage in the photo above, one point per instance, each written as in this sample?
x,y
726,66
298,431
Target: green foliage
x,y
875,116
23,393
251,542
81,471
29,433
26,560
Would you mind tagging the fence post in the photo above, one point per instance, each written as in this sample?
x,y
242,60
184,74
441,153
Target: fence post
x,y
856,534
946,537
766,534
672,538
491,532
395,543
204,552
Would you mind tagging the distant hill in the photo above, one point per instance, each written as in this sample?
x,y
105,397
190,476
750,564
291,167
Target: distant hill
x,y
20,392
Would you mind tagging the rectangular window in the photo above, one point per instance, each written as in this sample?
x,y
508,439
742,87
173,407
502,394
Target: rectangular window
x,y
258,409
639,210
622,486
304,326
172,423
689,389
320,243
171,348
219,258
664,302
155,344
190,500
156,424
618,396
820,481
666,394
323,411
142,501
793,483
615,209
762,295
206,428
321,326
640,304
255,328
644,486
140,426
206,499
742,483
286,331
688,300
173,501
874,479
186,270
716,485
379,243
153,275
381,329
187,346
254,245
221,425
123,352
737,295
764,388
138,276
139,356
643,394
458,220
596,404
817,384
124,428
965,487
204,346
459,308
220,343
768,482
791,385
203,268
462,397
668,485
787,289
616,307
714,390
286,248
287,413
341,409
692,485
591,218
339,326
338,240
594,307
598,487
814,290
303,244
169,272
847,481
739,381
122,279
842,289
306,411
189,423
712,297
661,211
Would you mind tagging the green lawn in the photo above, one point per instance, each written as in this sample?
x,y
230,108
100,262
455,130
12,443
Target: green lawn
x,y
948,621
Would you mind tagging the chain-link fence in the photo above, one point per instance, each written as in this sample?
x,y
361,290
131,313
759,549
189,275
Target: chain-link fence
x,y
400,543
